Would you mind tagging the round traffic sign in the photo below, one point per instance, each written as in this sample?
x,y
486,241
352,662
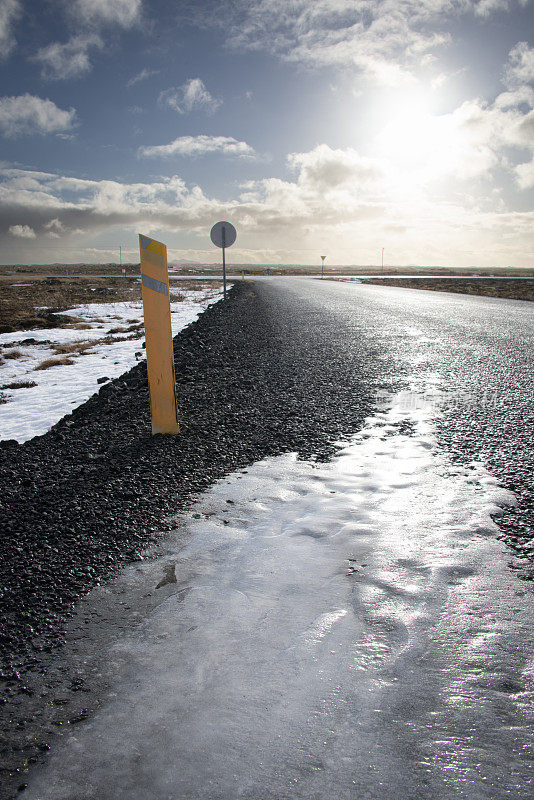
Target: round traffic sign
x,y
223,234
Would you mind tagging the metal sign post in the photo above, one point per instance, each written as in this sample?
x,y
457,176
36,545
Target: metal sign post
x,y
223,234
224,260
322,266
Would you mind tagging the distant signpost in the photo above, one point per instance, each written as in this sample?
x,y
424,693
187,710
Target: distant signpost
x,y
322,266
223,234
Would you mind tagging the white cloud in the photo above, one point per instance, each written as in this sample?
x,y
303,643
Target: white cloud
x,y
49,203
498,135
22,232
520,69
143,75
525,175
28,114
468,143
325,169
331,186
199,146
347,218
10,11
62,61
425,189
189,96
505,128
55,227
485,8
477,140
69,60
125,13
520,95
386,40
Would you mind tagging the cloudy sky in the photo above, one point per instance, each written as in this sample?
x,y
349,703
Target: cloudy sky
x,y
331,127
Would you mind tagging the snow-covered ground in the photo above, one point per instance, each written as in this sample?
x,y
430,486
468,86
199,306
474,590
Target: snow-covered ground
x,y
32,411
348,630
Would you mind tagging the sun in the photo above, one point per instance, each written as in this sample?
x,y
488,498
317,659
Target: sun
x,y
413,139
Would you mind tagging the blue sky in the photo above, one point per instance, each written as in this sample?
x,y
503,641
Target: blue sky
x,y
315,126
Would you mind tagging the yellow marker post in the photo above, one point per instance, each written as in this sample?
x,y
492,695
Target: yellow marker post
x,y
158,335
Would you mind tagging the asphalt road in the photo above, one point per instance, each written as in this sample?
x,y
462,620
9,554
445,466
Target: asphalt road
x,y
472,357
286,365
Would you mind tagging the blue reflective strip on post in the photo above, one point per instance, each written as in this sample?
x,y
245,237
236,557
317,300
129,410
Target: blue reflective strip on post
x,y
152,283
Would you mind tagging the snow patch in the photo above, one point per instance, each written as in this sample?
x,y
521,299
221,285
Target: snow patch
x,y
32,411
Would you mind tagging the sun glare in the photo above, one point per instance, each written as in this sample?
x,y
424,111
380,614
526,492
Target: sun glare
x,y
413,138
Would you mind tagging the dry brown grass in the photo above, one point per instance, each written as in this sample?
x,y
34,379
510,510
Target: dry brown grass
x,y
138,326
56,362
37,305
75,347
117,330
23,272
178,287
13,354
486,287
130,338
19,385
83,347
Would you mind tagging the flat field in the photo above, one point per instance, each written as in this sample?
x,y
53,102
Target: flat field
x,y
30,301
521,289
62,338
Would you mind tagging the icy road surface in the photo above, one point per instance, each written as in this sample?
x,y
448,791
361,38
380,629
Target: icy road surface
x,y
348,630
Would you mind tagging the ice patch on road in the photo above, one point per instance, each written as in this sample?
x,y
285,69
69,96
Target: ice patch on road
x,y
32,411
346,630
